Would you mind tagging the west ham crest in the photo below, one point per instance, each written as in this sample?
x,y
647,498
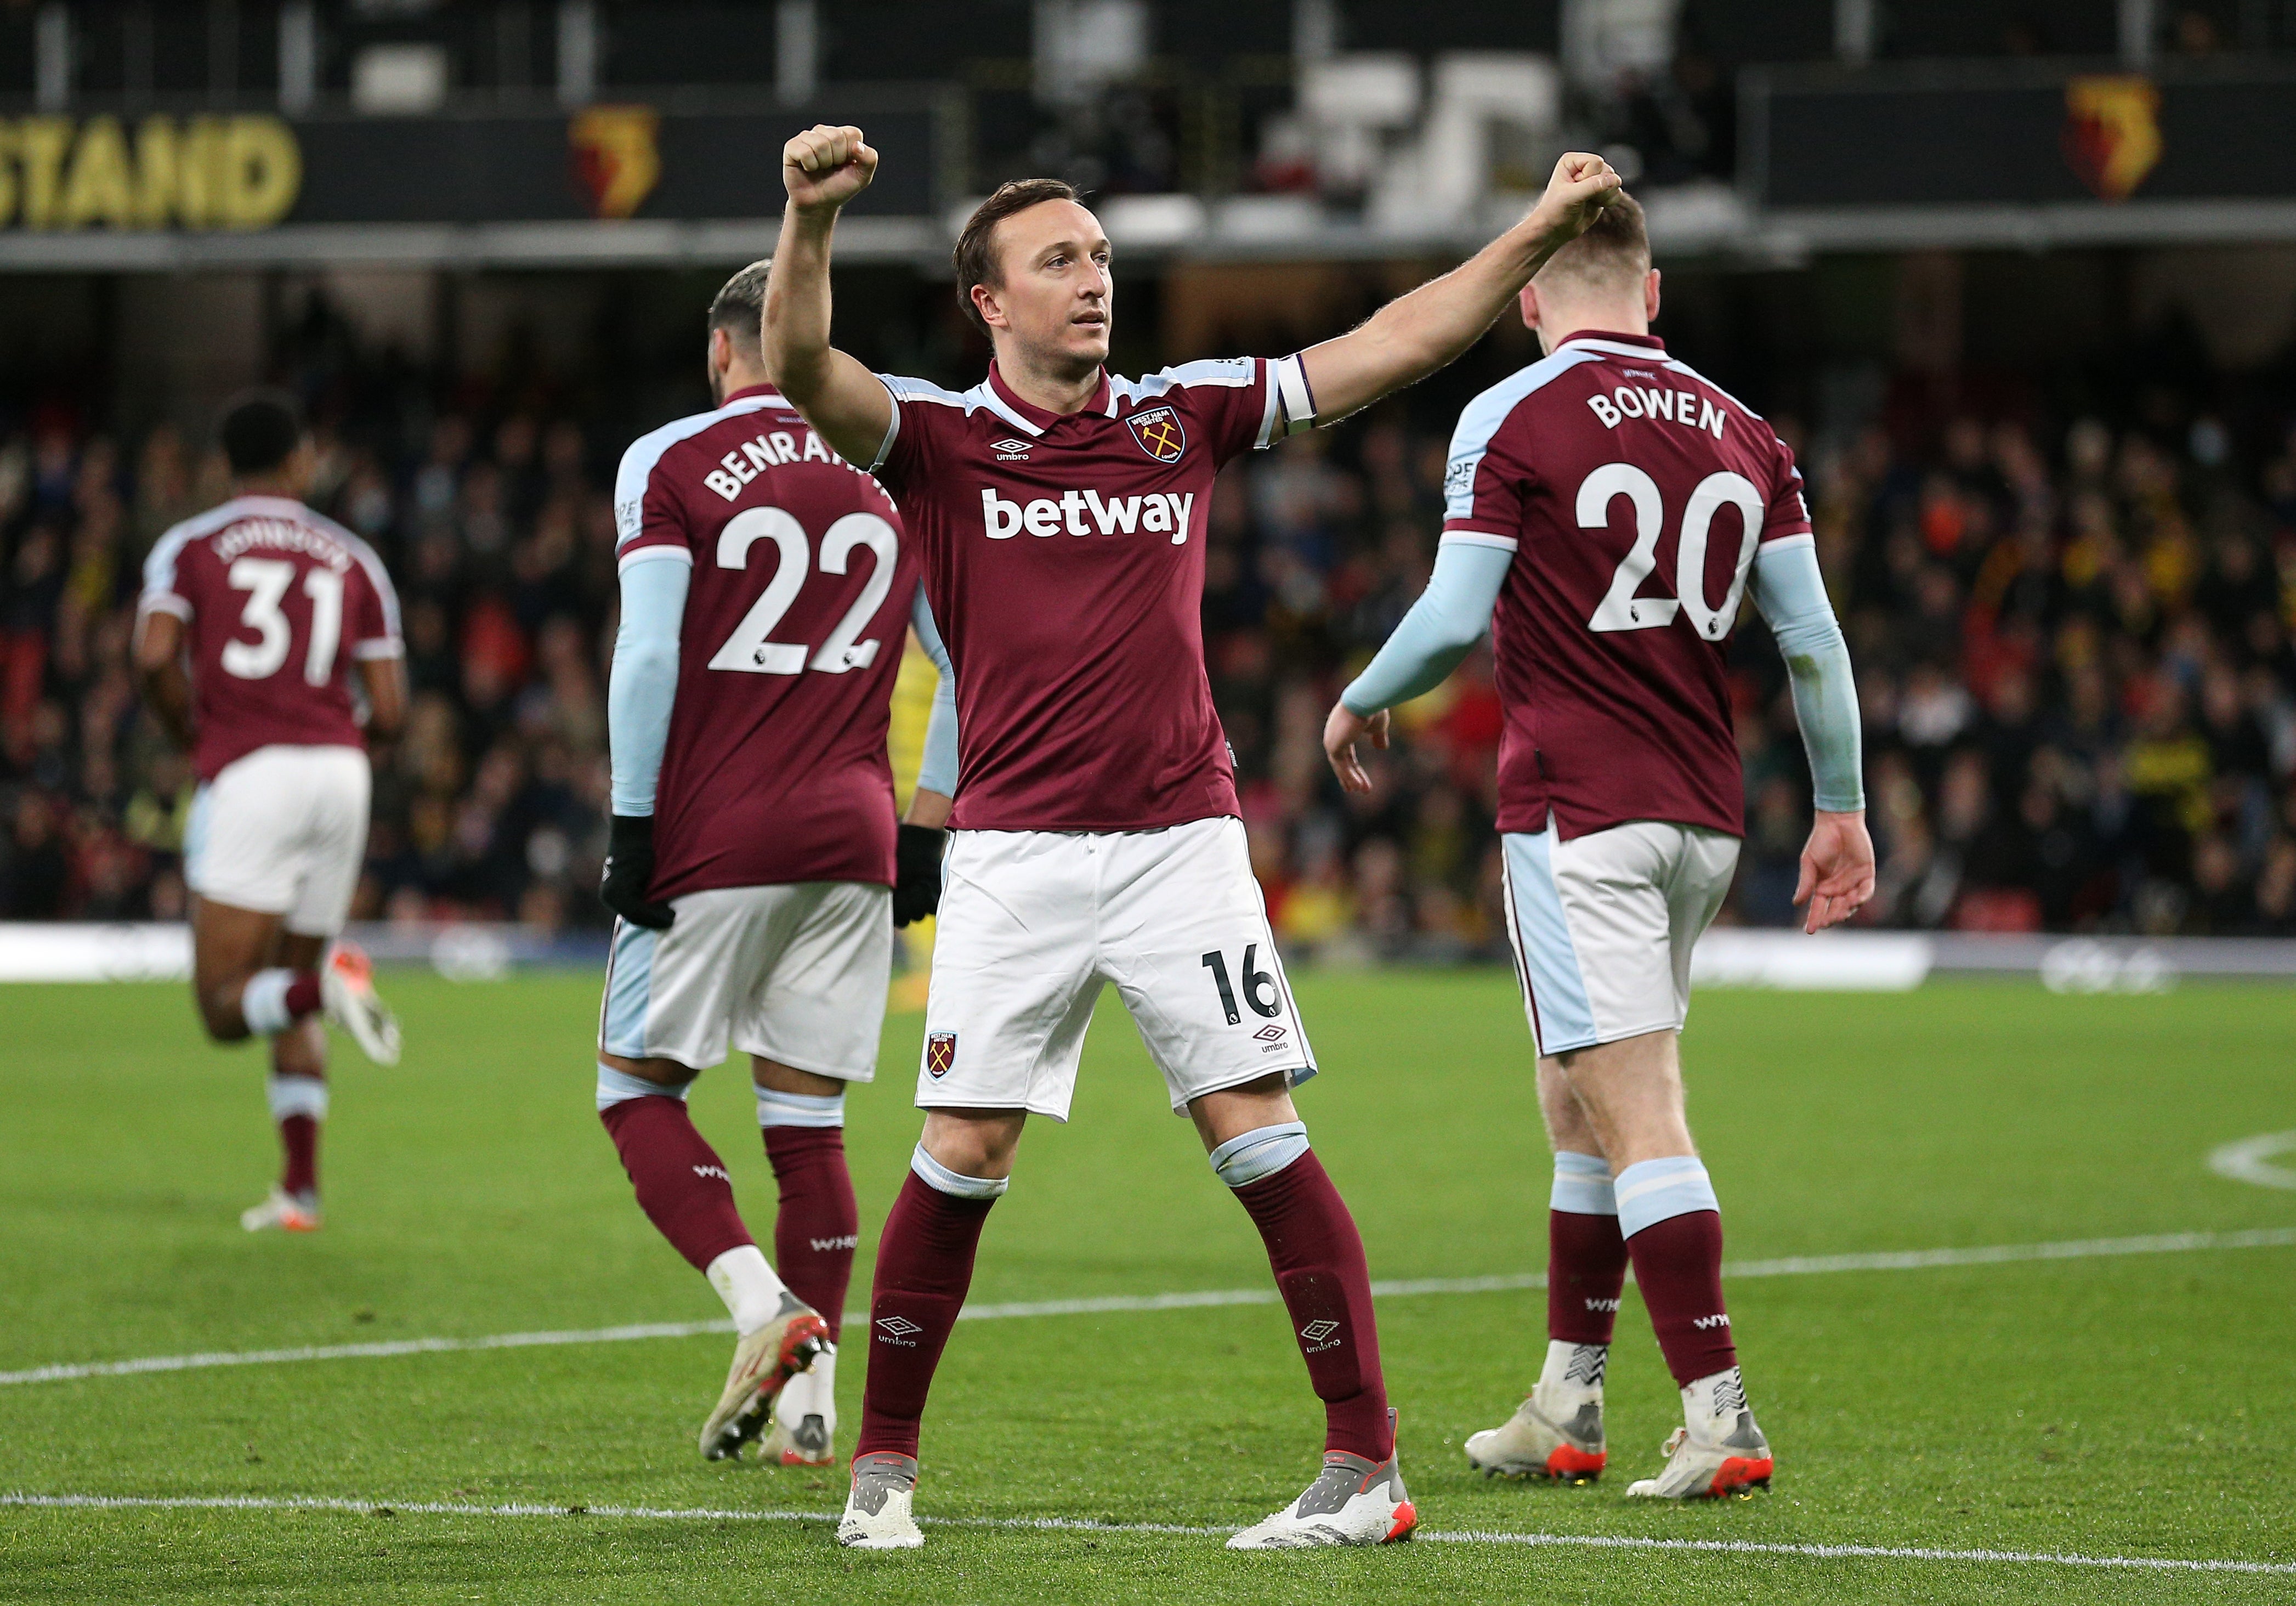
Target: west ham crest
x,y
941,1053
1158,432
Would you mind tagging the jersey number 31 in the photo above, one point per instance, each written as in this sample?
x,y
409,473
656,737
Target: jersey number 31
x,y
750,650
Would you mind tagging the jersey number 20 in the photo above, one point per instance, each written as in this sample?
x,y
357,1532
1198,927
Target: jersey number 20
x,y
750,650
1621,609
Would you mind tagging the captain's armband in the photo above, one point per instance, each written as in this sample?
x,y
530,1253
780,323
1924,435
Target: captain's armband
x,y
1295,402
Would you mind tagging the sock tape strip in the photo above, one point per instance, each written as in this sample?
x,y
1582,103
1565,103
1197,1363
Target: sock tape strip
x,y
1261,1152
940,1179
1582,1185
619,1087
1651,1191
297,1096
779,1108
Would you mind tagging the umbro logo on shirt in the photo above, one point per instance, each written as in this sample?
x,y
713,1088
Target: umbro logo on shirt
x,y
1009,450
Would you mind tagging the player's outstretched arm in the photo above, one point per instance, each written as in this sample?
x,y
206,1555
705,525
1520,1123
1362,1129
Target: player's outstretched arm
x,y
823,169
1415,334
159,676
1442,628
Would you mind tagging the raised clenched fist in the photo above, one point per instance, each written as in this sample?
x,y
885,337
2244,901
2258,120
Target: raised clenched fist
x,y
825,167
1582,186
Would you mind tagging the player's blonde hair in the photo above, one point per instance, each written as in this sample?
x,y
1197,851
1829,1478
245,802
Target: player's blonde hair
x,y
1612,255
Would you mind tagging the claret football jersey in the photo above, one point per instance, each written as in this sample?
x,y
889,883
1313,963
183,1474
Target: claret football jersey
x,y
1635,496
775,770
276,603
1063,557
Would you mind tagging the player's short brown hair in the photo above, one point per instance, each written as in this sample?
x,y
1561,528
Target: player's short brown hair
x,y
740,305
975,257
1613,255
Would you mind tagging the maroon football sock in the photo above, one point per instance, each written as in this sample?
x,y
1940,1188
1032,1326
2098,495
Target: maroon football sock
x,y
681,1182
1586,1268
303,994
818,1225
924,1265
1318,1260
1678,1268
299,1136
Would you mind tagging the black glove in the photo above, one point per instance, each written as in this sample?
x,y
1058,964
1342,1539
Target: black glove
x,y
916,873
629,871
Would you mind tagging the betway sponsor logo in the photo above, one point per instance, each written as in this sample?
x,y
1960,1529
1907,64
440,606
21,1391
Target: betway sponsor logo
x,y
1686,408
1087,512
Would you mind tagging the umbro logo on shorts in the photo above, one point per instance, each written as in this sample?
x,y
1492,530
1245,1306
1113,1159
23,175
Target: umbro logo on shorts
x,y
940,1054
897,1330
1268,1033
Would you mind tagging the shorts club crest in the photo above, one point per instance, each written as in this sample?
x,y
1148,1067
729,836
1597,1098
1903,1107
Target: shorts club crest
x,y
940,1054
1158,432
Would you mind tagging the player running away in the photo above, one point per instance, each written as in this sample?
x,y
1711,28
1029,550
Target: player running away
x,y
254,617
1604,509
1059,514
767,595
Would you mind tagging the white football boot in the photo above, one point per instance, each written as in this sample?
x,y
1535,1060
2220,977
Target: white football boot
x,y
877,1515
283,1211
804,1433
1352,1502
1717,1452
764,1362
347,995
1556,1433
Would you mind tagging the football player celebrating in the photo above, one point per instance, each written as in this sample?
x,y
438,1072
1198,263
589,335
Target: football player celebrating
x,y
1059,514
767,595
1610,505
253,617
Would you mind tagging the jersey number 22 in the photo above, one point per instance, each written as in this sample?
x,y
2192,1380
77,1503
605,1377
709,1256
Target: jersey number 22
x,y
751,650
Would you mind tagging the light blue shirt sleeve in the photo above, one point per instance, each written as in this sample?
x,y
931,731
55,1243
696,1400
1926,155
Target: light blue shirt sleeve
x,y
938,771
1442,628
644,682
1790,589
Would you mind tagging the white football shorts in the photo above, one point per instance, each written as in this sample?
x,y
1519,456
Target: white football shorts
x,y
1032,923
1603,925
796,972
283,831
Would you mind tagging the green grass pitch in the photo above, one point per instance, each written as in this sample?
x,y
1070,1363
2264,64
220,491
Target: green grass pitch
x,y
2138,1406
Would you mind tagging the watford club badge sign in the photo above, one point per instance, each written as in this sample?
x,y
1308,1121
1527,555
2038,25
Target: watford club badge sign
x,y
2112,132
617,156
1158,432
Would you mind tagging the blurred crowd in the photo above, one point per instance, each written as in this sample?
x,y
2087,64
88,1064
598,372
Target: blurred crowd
x,y
2073,646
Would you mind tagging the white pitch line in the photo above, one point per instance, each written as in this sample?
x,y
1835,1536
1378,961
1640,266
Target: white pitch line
x,y
2249,1160
1734,1547
1798,1265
